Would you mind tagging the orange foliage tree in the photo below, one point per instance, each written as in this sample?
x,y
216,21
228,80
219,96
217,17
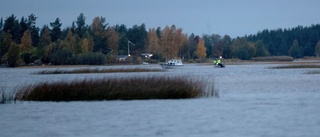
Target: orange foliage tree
x,y
201,50
172,41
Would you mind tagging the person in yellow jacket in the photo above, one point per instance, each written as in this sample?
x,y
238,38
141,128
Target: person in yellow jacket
x,y
214,62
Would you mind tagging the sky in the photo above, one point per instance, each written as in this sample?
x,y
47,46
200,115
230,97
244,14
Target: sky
x,y
223,17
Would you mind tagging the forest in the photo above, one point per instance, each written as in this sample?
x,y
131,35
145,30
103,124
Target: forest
x,y
96,43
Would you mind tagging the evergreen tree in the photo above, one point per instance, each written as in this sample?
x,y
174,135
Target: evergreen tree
x,y
5,41
33,29
56,30
295,50
317,49
1,24
138,36
81,28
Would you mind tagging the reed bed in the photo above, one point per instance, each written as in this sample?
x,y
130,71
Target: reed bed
x,y
179,87
296,66
313,72
273,58
96,70
6,97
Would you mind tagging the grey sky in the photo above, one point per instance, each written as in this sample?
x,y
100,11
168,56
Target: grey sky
x,y
232,17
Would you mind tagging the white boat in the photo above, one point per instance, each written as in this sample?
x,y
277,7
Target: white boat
x,y
172,64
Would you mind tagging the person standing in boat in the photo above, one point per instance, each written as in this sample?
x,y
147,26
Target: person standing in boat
x,y
219,62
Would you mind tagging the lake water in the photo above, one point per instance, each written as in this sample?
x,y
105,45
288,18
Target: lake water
x,y
253,102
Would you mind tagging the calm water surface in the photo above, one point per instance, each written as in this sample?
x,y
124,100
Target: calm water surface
x,y
254,101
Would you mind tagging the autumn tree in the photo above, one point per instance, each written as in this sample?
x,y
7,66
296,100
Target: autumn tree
x,y
99,35
201,50
112,41
172,41
26,41
87,43
45,38
153,42
70,42
25,47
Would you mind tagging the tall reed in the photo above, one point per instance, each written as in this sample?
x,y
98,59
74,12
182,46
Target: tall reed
x,y
136,88
96,70
296,66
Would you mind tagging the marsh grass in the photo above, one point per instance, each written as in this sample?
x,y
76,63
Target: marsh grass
x,y
6,97
296,66
273,58
313,72
96,70
137,88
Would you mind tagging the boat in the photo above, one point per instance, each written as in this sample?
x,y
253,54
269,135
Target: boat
x,y
173,63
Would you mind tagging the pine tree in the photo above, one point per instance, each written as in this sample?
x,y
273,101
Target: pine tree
x,y
317,49
56,30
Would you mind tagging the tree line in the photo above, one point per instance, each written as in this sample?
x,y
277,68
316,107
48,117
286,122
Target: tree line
x,y
22,42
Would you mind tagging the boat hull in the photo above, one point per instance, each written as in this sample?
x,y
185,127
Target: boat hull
x,y
166,66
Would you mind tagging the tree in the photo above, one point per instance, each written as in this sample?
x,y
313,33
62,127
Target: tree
x,y
241,49
123,39
317,49
25,47
45,38
201,50
99,35
261,50
295,50
138,36
112,41
5,41
226,40
13,55
81,28
26,41
31,22
89,40
70,42
1,24
153,42
172,41
56,30
85,45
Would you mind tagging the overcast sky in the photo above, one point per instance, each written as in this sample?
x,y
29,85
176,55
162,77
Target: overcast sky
x,y
231,17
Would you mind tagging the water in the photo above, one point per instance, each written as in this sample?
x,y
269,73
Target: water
x,y
254,101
